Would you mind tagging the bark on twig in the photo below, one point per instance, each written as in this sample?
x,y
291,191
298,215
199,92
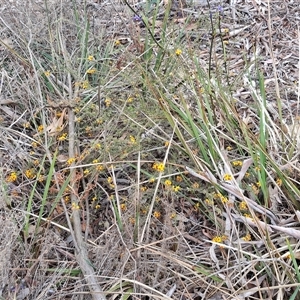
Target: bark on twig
x,y
80,246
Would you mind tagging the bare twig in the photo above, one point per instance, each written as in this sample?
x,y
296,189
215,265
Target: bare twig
x,y
81,253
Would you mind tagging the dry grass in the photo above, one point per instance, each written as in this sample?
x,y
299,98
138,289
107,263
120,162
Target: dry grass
x,y
149,158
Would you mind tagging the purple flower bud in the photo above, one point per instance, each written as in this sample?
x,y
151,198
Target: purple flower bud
x,y
137,18
220,10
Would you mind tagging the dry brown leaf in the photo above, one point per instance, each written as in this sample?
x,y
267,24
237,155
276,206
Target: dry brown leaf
x,y
274,197
179,20
289,231
7,101
298,215
59,210
213,256
62,158
57,125
6,43
294,132
246,164
297,254
191,26
254,223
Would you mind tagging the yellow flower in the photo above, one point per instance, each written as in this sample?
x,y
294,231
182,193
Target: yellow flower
x,y
117,42
151,180
246,215
144,188
75,206
157,214
97,146
34,144
167,143
176,188
86,172
107,102
70,160
110,182
132,139
85,84
91,58
255,189
243,205
279,182
41,178
178,52
12,177
173,215
123,207
144,211
67,199
247,237
82,156
201,90
40,128
228,148
62,137
217,239
26,125
76,111
47,73
209,202
168,182
227,177
30,173
224,199
99,168
218,195
130,99
160,167
237,163
97,206
91,71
